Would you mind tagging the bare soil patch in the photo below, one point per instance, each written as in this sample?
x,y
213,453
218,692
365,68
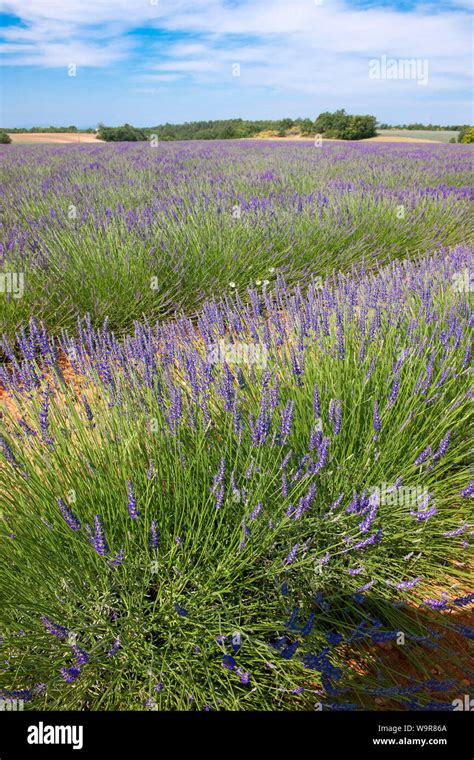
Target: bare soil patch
x,y
53,137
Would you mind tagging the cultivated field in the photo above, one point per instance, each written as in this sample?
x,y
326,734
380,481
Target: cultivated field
x,y
236,396
420,135
53,137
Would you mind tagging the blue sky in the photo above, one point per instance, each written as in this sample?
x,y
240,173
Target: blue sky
x,y
152,61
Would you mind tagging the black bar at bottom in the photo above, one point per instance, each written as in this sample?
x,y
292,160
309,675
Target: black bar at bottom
x,y
374,734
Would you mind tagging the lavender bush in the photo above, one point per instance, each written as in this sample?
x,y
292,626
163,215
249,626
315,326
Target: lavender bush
x,y
212,512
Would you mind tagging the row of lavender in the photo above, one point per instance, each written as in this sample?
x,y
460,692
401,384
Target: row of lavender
x,y
222,512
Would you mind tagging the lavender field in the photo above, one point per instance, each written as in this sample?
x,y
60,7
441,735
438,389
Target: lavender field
x,y
125,232
235,423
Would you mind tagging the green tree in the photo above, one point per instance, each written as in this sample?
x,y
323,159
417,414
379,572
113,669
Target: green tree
x,y
283,126
344,126
306,126
5,138
125,133
466,135
331,122
359,128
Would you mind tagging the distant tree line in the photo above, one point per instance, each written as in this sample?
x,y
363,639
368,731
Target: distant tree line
x,y
338,125
207,130
46,130
430,127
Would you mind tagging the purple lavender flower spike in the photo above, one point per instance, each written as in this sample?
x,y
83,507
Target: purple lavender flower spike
x,y
153,535
57,630
377,422
366,587
255,513
316,402
286,421
425,514
68,515
375,538
462,601
7,452
219,477
114,648
87,409
70,674
394,391
286,460
436,604
323,453
220,497
456,531
337,419
82,657
443,447
132,502
337,502
229,662
24,425
292,555
423,456
44,415
100,544
405,585
118,560
315,439
288,652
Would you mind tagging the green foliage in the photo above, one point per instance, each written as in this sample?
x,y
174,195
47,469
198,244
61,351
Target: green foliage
x,y
306,126
125,133
466,135
359,128
225,129
343,126
5,138
331,124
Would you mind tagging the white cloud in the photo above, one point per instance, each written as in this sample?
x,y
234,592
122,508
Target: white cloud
x,y
283,44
